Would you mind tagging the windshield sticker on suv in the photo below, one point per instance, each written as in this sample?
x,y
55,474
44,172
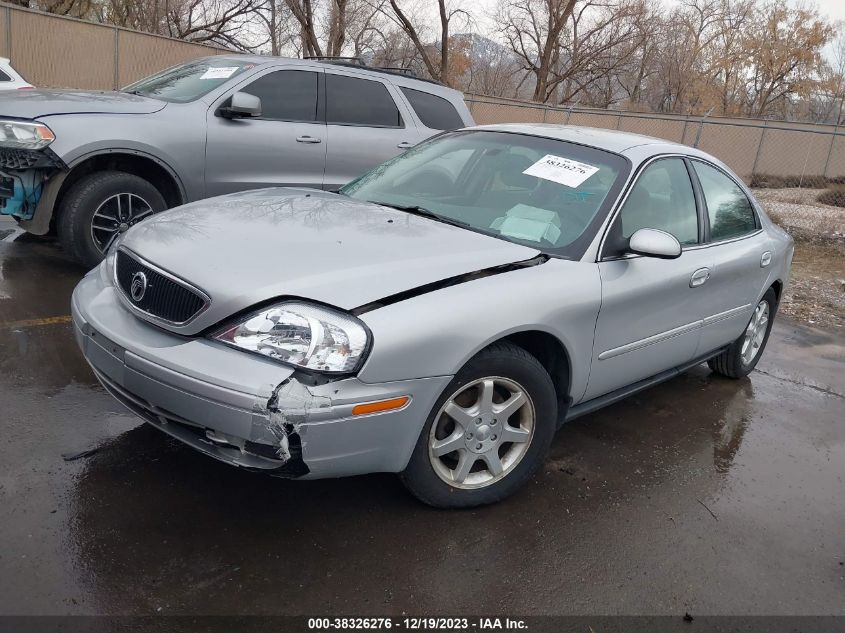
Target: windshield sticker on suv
x,y
224,72
561,170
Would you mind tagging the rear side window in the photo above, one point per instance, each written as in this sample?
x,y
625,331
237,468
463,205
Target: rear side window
x,y
730,211
434,112
352,101
4,76
286,95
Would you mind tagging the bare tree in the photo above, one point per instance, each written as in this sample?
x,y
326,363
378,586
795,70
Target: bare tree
x,y
786,45
434,58
533,29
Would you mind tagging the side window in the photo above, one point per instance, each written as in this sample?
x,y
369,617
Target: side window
x,y
662,198
4,76
286,95
434,112
352,101
729,210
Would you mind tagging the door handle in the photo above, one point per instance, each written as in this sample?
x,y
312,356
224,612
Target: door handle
x,y
405,145
766,259
308,139
699,277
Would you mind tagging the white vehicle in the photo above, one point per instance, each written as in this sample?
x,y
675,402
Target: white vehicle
x,y
10,79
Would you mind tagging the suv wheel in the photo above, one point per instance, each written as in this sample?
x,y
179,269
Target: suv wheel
x,y
101,206
744,353
488,432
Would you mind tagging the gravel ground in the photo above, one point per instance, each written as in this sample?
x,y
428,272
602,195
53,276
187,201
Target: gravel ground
x,y
816,292
798,211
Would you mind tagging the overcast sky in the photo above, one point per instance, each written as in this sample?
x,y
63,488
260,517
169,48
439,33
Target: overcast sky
x,y
834,9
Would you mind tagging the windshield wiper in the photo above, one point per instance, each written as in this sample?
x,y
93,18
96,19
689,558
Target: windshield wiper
x,y
415,209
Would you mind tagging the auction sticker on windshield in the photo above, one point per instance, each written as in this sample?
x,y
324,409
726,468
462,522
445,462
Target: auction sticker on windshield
x,y
223,72
561,170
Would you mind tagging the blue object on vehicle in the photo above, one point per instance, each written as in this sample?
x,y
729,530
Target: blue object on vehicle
x,y
25,194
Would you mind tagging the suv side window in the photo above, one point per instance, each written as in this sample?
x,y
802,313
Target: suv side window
x,y
353,101
729,209
434,112
286,95
662,198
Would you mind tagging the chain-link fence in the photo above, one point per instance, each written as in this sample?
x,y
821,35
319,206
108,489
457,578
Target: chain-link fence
x,y
797,169
53,51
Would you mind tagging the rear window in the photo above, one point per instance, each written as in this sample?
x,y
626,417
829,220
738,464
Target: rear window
x,y
434,112
190,81
351,101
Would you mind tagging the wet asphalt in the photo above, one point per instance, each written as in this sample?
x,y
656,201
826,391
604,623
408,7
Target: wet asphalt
x,y
702,495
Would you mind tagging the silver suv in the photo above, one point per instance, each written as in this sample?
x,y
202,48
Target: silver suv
x,y
88,165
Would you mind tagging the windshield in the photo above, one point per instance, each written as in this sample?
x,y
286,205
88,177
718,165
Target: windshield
x,y
539,192
190,81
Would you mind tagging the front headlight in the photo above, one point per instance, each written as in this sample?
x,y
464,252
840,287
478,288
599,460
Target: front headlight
x,y
301,334
22,135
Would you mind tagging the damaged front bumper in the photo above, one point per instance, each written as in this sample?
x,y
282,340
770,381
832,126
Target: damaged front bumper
x,y
240,408
24,175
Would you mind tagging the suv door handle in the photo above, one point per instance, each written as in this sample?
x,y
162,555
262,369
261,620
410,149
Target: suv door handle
x,y
405,145
699,277
308,139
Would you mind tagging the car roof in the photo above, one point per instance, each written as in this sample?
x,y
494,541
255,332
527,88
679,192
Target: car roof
x,y
638,148
396,77
610,140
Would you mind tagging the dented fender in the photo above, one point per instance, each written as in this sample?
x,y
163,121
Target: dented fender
x,y
314,433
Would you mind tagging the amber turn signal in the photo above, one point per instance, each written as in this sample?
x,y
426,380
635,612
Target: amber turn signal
x,y
380,405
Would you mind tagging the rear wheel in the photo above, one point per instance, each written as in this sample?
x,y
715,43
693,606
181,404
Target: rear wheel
x,y
99,207
744,353
487,433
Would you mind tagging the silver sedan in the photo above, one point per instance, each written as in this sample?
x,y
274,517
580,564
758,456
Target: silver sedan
x,y
441,316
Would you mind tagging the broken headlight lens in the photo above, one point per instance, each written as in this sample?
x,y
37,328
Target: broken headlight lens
x,y
23,135
301,334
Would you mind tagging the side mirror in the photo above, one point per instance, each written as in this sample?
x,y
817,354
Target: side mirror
x,y
654,243
241,104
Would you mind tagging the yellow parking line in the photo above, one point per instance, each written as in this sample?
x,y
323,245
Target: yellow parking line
x,y
15,325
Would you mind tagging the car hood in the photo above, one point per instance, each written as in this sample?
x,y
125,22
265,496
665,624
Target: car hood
x,y
246,248
31,104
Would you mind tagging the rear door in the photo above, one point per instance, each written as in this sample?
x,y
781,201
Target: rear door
x,y
741,254
651,309
366,124
285,146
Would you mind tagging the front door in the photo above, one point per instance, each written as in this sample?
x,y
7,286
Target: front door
x,y
285,146
651,309
366,125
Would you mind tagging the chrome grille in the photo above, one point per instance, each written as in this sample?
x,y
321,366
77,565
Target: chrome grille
x,y
164,298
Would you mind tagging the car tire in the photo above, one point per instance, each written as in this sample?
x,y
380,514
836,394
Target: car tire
x,y
737,361
436,479
102,192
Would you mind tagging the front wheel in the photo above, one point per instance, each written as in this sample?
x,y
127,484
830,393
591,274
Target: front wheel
x,y
99,207
488,432
744,353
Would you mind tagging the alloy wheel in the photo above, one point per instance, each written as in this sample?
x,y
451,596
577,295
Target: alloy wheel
x,y
755,332
115,215
481,432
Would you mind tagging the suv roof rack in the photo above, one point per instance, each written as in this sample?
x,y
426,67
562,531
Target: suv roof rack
x,y
330,58
357,62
